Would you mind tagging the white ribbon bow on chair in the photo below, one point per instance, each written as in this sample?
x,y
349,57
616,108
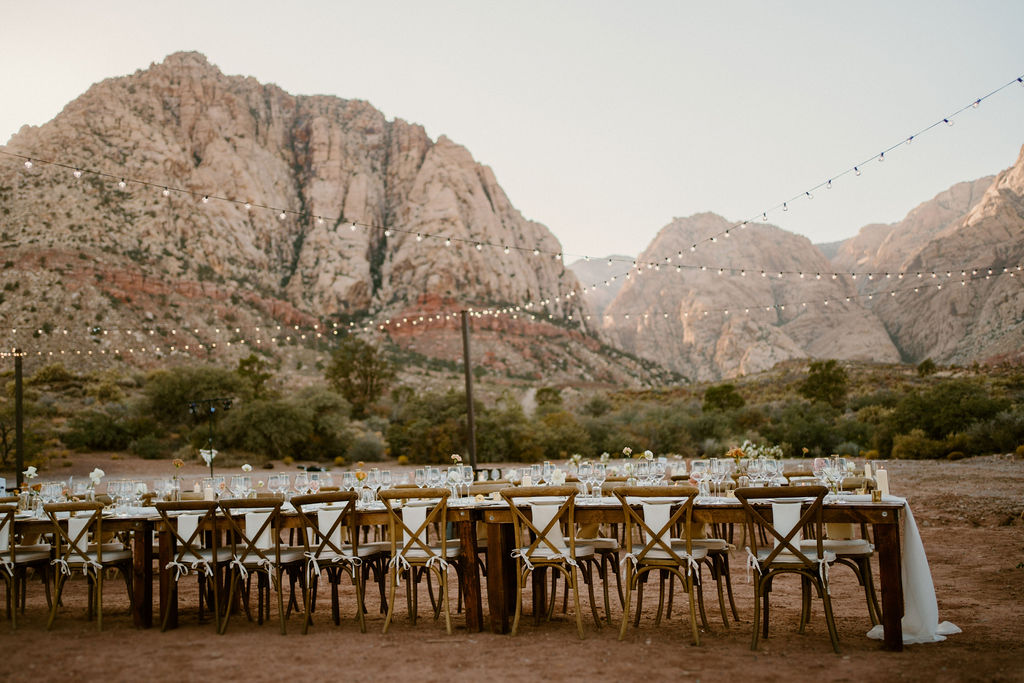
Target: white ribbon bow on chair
x,y
181,569
207,569
242,571
399,562
311,558
752,562
438,560
96,567
65,568
823,564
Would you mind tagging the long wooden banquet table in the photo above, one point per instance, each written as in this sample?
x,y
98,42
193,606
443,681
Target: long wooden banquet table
x,y
883,517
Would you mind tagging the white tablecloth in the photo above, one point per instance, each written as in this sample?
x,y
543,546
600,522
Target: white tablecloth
x,y
920,609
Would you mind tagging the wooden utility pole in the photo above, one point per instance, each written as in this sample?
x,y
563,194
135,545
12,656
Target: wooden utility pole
x,y
19,419
469,391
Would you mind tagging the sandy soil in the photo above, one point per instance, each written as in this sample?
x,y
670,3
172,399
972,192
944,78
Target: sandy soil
x,y
969,513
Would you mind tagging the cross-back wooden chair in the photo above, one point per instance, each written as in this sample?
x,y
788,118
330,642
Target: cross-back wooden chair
x,y
551,508
256,548
411,549
792,510
856,553
190,522
79,546
331,545
7,561
654,512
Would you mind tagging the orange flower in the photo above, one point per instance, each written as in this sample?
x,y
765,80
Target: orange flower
x,y
178,463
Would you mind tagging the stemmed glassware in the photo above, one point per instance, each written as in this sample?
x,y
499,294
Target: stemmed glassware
x,y
385,480
600,474
349,481
467,477
420,477
373,482
699,473
301,482
585,473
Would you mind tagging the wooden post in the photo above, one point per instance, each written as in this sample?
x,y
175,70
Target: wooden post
x,y
19,419
471,420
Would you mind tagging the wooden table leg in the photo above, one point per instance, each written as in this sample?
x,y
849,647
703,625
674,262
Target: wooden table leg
x,y
142,579
470,578
887,547
501,576
168,598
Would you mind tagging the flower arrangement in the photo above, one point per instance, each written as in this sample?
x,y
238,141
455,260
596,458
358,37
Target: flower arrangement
x,y
647,455
247,467
576,459
456,458
753,450
605,457
360,474
94,478
31,472
627,451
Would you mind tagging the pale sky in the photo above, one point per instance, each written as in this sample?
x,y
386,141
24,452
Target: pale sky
x,y
602,120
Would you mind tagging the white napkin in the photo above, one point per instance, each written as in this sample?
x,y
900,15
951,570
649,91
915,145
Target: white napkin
x,y
542,514
785,515
75,526
187,525
325,519
413,517
253,522
5,538
656,515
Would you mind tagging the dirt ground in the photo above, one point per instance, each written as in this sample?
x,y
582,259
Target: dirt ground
x,y
969,513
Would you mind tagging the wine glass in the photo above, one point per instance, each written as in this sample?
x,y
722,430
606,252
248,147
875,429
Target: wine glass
x,y
818,469
699,472
301,482
600,474
348,481
420,477
373,481
385,479
314,484
585,472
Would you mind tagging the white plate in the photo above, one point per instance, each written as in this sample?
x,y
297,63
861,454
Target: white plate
x,y
545,500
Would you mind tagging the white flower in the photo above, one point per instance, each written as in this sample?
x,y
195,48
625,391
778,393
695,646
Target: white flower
x,y
247,467
558,477
605,457
627,451
207,455
648,455
96,475
30,473
456,457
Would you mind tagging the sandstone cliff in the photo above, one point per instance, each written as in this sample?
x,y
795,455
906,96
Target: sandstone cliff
x,y
983,318
708,326
86,255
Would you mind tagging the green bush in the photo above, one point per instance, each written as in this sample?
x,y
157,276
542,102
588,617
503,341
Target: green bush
x,y
149,447
917,446
367,447
722,397
169,392
54,373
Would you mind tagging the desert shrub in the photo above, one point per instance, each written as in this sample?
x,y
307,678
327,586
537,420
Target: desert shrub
x,y
111,429
1001,434
560,435
54,373
803,424
367,447
916,446
169,392
429,427
956,455
722,397
847,449
948,407
149,447
826,383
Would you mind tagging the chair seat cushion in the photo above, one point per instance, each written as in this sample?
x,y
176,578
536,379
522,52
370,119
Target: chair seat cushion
x,y
288,556
452,549
374,548
657,553
708,544
841,547
27,556
109,557
786,557
599,543
543,553
223,555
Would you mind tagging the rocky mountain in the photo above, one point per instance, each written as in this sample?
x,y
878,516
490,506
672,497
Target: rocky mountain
x,y
719,317
888,248
213,208
972,309
598,272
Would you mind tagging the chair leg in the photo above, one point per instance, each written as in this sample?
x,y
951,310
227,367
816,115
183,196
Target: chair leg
x,y
757,612
641,580
625,605
279,581
826,600
442,576
573,580
728,586
99,599
393,581
690,590
805,603
716,574
699,590
519,597
232,589
360,611
661,598
589,578
874,610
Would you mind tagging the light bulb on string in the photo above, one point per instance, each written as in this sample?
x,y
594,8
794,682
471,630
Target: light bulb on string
x,y
206,199
809,195
828,185
479,247
785,207
387,232
505,249
166,192
122,184
448,241
856,170
536,252
77,173
881,157
419,237
948,122
248,206
319,220
910,139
